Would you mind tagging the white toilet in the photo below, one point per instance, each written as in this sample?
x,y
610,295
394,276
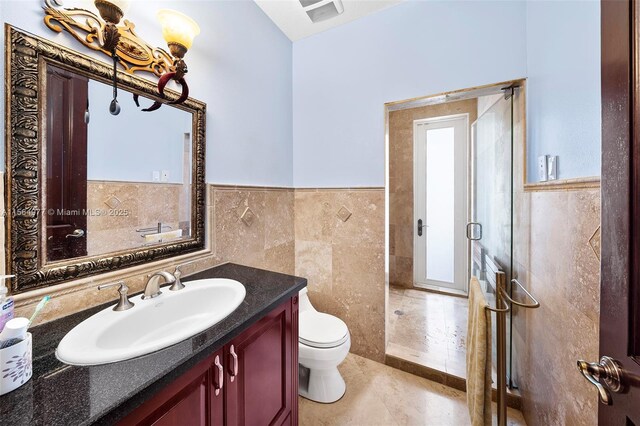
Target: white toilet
x,y
324,343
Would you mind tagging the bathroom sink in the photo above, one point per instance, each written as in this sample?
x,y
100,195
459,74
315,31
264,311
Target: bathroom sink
x,y
152,324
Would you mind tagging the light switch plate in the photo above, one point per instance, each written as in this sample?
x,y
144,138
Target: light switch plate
x,y
156,175
542,168
552,167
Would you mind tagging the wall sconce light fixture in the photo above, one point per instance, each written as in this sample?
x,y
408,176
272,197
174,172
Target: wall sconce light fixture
x,y
112,13
108,32
178,31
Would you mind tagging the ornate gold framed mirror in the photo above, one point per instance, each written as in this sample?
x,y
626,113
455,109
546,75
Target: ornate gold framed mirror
x,y
88,192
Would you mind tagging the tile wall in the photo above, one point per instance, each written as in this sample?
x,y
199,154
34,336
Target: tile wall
x,y
248,225
340,249
133,205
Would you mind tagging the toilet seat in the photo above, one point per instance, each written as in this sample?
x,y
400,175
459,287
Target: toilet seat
x,y
320,330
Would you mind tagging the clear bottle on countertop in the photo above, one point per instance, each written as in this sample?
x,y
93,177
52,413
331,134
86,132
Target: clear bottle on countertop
x,y
6,302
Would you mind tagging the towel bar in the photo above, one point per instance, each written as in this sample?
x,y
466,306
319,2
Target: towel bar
x,y
533,305
499,310
506,296
154,229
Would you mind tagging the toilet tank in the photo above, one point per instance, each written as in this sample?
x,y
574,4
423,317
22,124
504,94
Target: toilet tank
x,y
305,303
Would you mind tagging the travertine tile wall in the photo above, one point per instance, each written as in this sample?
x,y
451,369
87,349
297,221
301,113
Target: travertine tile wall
x,y
335,239
401,226
339,248
254,226
77,295
138,205
263,238
557,258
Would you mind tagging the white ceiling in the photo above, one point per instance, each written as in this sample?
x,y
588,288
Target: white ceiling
x,y
291,18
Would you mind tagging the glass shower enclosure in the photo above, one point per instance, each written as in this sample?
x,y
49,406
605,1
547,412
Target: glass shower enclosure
x,y
490,229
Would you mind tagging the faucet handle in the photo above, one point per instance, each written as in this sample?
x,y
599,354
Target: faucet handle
x,y
178,273
123,303
177,284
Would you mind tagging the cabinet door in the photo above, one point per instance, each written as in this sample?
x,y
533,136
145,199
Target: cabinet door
x,y
181,403
260,369
190,400
189,407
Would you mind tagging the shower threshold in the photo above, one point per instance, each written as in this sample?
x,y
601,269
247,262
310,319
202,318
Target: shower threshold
x,y
427,336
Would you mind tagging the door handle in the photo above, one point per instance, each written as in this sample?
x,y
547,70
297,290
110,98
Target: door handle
x,y
469,225
607,376
420,226
220,382
234,363
77,233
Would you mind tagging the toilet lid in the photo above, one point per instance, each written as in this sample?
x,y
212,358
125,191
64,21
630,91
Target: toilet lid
x,y
321,330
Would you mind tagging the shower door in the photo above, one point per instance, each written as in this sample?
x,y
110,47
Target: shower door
x,y
490,228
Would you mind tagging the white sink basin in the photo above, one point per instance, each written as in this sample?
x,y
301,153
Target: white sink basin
x,y
152,324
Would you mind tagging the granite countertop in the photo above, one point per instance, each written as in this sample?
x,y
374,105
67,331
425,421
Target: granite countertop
x,y
59,394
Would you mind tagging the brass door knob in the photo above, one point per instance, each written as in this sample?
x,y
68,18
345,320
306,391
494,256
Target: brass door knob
x,y
607,376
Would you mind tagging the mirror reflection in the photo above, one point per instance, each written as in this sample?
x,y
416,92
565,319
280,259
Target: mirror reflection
x,y
113,182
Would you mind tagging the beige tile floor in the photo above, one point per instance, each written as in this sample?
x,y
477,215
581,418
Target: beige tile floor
x,y
381,395
429,329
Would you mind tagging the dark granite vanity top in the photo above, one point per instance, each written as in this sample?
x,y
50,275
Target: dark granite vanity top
x,y
59,394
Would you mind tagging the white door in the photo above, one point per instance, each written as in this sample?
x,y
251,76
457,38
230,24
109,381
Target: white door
x,y
440,202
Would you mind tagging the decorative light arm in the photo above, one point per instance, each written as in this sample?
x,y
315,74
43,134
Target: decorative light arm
x,y
105,33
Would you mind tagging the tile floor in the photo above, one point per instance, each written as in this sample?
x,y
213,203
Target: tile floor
x,y
429,329
381,395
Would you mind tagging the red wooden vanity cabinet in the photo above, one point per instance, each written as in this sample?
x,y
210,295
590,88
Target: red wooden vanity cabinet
x,y
252,380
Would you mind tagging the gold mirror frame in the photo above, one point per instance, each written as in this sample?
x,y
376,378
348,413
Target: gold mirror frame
x,y
26,59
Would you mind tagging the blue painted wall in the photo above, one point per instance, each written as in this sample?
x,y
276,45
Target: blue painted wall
x,y
342,78
316,119
152,142
240,65
563,90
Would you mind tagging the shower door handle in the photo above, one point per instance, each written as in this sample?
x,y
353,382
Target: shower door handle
x,y
469,234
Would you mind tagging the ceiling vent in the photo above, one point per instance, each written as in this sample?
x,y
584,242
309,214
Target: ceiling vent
x,y
321,10
307,3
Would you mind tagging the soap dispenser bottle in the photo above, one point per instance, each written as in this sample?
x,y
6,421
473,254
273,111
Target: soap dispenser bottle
x,y
6,302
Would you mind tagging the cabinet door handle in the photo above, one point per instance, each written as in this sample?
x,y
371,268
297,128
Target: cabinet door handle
x,y
234,363
220,382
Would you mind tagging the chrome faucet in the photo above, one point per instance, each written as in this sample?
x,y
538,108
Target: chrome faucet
x,y
152,289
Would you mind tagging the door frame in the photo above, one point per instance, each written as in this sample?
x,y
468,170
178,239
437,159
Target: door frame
x,y
620,186
418,199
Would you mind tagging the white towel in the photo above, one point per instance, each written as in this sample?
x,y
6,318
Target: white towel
x,y
163,236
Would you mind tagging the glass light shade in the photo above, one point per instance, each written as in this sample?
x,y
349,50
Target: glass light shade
x,y
178,27
122,4
112,10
